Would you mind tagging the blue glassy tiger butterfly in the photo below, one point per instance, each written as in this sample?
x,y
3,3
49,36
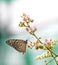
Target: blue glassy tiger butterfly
x,y
19,45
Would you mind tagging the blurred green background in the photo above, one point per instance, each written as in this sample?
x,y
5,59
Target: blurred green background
x,y
6,1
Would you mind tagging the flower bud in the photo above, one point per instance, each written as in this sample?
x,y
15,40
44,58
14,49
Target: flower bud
x,y
49,43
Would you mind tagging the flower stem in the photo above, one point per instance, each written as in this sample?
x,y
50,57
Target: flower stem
x,y
49,61
54,59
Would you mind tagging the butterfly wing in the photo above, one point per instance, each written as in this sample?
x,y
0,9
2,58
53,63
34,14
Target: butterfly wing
x,y
19,45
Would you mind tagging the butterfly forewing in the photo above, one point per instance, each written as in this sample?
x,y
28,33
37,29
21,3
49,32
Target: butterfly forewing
x,y
19,45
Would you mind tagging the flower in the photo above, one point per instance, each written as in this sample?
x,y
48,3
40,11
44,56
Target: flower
x,y
49,43
21,24
38,46
48,40
34,29
26,18
29,30
30,45
35,42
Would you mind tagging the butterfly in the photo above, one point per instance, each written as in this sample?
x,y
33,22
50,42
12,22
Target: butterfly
x,y
19,45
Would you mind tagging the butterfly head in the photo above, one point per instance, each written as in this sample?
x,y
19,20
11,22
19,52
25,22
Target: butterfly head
x,y
9,42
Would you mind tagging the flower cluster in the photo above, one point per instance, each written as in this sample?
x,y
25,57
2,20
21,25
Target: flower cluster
x,y
35,44
25,20
48,44
25,23
44,55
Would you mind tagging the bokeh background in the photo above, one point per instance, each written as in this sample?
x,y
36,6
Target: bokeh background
x,y
45,15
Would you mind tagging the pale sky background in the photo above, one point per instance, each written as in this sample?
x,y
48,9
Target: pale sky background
x,y
42,11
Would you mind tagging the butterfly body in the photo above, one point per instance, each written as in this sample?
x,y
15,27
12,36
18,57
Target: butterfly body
x,y
19,45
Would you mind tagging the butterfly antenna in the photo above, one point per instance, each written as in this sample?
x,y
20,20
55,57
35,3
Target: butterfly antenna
x,y
26,41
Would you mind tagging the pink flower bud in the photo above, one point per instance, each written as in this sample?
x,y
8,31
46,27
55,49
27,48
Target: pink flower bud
x,y
46,40
27,29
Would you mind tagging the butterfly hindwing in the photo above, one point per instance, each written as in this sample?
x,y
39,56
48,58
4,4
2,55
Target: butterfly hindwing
x,y
19,45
